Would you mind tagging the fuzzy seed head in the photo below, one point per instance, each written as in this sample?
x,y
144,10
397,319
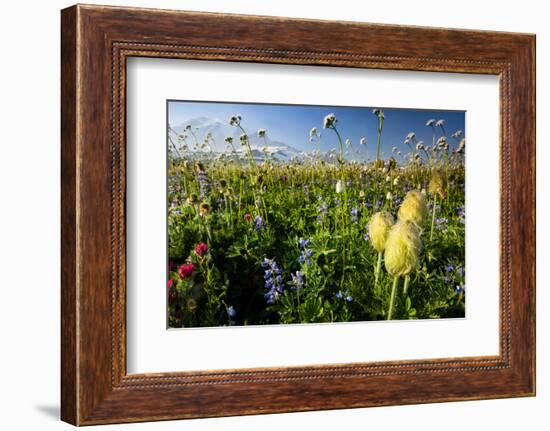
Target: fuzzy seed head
x,y
235,120
413,208
204,209
329,121
403,248
437,184
379,228
199,167
339,186
193,199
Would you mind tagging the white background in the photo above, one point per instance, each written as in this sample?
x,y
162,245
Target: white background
x,y
29,220
151,348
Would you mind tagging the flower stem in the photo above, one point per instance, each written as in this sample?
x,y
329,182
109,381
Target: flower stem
x,y
433,218
377,271
341,156
248,149
240,200
318,149
380,125
185,184
174,146
392,297
406,285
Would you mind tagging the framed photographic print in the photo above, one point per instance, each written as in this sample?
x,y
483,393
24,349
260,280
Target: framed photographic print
x,y
258,208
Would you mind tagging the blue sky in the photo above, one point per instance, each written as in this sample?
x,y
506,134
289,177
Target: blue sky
x,y
291,123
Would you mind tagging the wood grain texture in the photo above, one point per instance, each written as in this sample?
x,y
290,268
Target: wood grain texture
x,y
69,367
96,41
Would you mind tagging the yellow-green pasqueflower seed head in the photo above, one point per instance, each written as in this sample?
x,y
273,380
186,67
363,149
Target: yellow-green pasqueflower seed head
x,y
413,208
379,228
199,166
193,199
402,248
204,209
437,184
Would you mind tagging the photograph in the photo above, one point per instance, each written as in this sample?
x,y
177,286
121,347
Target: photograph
x,y
283,214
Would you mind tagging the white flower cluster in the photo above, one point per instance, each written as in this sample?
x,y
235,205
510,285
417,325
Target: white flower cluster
x,y
378,112
235,120
329,121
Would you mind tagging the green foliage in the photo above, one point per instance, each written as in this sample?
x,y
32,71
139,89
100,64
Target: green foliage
x,y
299,201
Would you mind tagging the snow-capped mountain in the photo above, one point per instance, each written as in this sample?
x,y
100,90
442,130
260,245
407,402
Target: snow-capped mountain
x,y
218,130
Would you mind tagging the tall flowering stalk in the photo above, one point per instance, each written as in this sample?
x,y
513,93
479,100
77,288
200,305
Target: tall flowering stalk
x,y
431,123
380,114
202,179
262,135
235,120
189,129
363,143
183,172
314,135
273,280
349,144
435,187
172,142
229,141
410,138
443,144
330,123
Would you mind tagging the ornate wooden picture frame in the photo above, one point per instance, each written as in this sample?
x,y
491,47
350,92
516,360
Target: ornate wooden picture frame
x,y
96,41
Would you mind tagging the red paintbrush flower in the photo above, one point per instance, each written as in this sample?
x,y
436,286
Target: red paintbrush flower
x,y
186,270
247,217
201,249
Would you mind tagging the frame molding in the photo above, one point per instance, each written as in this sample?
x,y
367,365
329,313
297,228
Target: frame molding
x,y
95,42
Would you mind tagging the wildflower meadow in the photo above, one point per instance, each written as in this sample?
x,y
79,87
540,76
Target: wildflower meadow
x,y
339,227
